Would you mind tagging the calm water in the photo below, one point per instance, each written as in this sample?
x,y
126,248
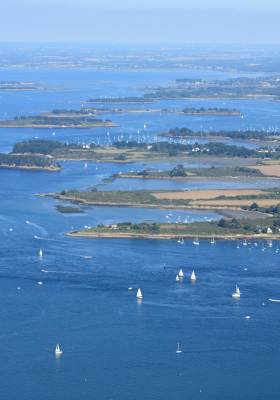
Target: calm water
x,y
114,347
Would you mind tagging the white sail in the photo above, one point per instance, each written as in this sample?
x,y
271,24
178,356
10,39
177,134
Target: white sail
x,y
177,278
193,276
237,293
139,294
181,273
41,253
58,350
212,241
178,348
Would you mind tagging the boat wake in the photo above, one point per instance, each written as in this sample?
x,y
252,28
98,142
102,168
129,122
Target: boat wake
x,y
42,230
274,300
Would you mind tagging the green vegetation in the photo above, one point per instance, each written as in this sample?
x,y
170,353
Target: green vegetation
x,y
244,135
131,151
210,111
274,210
37,146
267,194
55,120
223,228
180,172
241,87
174,149
118,197
28,161
68,209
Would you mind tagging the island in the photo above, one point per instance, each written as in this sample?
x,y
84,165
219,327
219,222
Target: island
x,y
215,111
54,120
67,209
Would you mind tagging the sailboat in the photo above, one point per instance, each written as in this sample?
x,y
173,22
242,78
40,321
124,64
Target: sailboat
x,y
269,243
178,278
181,273
58,350
179,350
245,242
196,241
85,166
237,293
40,253
212,241
193,276
139,294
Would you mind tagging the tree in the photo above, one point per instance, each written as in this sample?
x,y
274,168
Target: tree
x,y
179,170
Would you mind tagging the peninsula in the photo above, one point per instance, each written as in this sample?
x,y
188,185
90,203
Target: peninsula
x,y
231,229
215,199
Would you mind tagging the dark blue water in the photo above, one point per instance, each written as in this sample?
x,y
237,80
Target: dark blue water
x,y
114,347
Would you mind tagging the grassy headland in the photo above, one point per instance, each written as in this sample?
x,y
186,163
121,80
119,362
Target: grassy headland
x,y
267,228
180,172
235,199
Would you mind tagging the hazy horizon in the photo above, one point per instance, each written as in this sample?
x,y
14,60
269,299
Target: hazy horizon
x,y
60,21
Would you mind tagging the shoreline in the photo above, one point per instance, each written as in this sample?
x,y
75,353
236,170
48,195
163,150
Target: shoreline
x,y
119,235
34,126
26,167
221,210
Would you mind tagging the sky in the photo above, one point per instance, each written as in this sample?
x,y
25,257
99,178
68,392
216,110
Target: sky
x,y
141,21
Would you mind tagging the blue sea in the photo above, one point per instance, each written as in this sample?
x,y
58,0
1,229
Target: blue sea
x,y
114,347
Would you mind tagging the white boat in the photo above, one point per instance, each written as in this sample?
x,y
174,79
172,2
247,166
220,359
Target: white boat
x,y
181,273
179,350
139,294
193,276
178,278
85,166
245,242
40,253
212,241
237,293
274,300
269,243
58,350
196,241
